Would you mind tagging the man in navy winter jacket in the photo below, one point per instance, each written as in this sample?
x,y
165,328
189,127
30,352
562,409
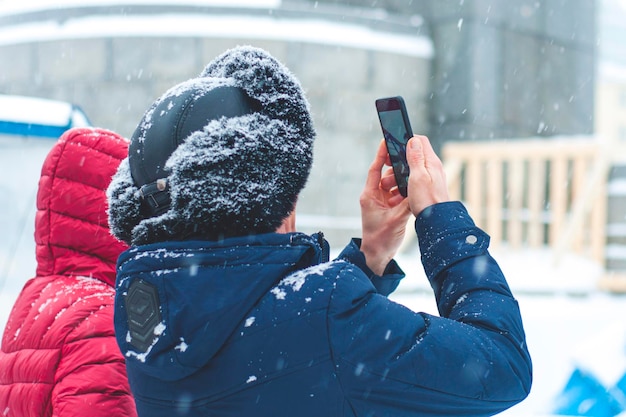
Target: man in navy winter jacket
x,y
223,309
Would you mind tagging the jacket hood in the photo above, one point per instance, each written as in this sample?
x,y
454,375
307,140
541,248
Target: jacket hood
x,y
71,230
202,291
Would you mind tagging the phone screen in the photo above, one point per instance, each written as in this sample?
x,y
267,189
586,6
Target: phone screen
x,y
397,133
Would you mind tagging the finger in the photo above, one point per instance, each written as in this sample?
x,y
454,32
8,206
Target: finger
x,y
389,173
387,158
382,147
388,180
374,172
396,198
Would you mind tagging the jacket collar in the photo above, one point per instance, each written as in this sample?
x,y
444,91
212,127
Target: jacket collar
x,y
205,289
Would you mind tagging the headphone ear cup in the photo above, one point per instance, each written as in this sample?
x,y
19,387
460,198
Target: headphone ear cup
x,y
124,204
182,111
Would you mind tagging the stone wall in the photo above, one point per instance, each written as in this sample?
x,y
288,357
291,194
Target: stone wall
x,y
114,79
515,68
503,69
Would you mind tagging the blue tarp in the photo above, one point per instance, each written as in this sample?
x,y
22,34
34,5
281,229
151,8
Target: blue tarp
x,y
585,395
37,117
31,129
597,383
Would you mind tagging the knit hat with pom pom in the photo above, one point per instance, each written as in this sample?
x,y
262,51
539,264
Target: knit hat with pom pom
x,y
225,154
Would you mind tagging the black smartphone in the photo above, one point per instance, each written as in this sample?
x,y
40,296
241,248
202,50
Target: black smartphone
x,y
394,121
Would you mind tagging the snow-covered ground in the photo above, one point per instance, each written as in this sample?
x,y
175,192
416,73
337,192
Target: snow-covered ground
x,y
568,322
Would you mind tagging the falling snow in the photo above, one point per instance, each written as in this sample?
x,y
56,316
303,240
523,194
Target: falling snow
x,y
296,280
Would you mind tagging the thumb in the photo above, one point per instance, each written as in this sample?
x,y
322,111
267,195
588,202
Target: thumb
x,y
415,153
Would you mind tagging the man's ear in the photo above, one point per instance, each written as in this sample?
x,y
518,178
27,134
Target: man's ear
x,y
289,223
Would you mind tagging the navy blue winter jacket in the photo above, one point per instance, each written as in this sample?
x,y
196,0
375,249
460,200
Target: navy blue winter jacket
x,y
264,326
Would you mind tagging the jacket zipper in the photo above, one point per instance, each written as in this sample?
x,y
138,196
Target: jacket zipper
x,y
325,255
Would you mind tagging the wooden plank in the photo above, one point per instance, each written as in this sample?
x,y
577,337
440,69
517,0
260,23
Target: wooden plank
x,y
613,282
494,201
474,188
558,197
580,171
598,223
593,191
453,168
536,192
532,148
516,199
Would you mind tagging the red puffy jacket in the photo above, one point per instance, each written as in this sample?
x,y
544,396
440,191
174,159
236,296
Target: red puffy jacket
x,y
59,356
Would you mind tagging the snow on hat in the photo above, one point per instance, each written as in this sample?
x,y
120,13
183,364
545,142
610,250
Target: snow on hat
x,y
224,154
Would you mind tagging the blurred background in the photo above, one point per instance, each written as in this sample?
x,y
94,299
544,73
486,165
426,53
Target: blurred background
x,y
524,100
468,69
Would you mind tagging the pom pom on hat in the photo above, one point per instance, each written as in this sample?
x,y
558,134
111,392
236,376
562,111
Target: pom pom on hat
x,y
224,154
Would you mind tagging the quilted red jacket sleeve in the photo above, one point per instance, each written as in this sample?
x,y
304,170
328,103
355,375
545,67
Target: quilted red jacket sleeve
x,y
59,356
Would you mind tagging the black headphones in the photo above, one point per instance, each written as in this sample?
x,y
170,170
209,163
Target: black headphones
x,y
167,124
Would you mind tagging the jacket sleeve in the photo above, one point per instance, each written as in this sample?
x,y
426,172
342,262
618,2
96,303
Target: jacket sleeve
x,y
91,375
472,360
385,284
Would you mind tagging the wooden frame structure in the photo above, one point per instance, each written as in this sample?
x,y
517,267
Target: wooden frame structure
x,y
534,192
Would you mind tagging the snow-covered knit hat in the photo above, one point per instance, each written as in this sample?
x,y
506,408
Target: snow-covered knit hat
x,y
225,154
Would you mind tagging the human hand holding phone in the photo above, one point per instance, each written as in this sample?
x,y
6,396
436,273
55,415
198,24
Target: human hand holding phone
x,y
384,213
417,172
